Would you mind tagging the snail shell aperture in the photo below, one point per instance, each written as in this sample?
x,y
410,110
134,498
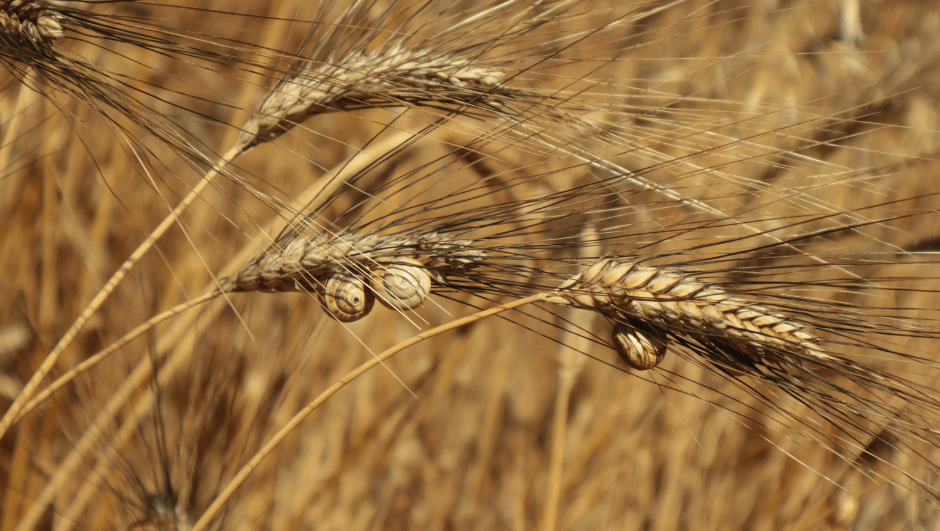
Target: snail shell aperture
x,y
345,297
405,284
641,349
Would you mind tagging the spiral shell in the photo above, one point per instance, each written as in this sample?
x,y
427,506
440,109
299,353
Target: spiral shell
x,y
405,284
345,297
641,349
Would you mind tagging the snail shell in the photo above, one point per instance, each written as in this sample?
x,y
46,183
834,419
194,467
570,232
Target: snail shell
x,y
405,284
345,297
641,349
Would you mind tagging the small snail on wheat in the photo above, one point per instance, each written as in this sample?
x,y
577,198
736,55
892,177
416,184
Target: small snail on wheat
x,y
641,349
346,297
405,284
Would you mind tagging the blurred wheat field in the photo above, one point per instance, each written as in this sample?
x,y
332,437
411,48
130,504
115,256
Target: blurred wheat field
x,y
793,120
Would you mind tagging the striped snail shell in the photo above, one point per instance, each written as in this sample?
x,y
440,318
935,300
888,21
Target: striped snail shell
x,y
641,349
405,284
345,297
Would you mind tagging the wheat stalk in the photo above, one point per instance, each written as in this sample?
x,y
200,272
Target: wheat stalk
x,y
212,511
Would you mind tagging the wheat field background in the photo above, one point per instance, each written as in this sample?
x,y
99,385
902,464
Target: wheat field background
x,y
814,114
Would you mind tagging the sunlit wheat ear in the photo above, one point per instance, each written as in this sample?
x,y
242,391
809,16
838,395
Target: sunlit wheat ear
x,y
393,76
679,304
30,24
453,67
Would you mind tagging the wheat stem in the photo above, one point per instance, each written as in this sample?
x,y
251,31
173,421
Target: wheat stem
x,y
24,99
98,357
49,362
253,463
557,458
570,360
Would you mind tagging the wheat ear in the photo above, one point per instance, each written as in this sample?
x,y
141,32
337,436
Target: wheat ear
x,y
391,76
302,262
677,302
29,23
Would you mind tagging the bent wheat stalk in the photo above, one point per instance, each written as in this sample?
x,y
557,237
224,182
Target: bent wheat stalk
x,y
210,513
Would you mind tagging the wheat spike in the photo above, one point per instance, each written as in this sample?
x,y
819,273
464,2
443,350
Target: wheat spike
x,y
29,23
393,75
680,304
298,264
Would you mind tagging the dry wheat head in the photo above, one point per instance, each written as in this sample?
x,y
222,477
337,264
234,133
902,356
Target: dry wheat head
x,y
25,23
675,302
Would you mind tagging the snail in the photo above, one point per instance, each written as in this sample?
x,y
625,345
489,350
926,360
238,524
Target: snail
x,y
405,284
641,349
345,297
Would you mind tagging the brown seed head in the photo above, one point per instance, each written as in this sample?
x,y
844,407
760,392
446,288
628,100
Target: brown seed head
x,y
388,76
301,263
669,299
29,23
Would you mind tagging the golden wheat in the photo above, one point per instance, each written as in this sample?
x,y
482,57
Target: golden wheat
x,y
739,220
